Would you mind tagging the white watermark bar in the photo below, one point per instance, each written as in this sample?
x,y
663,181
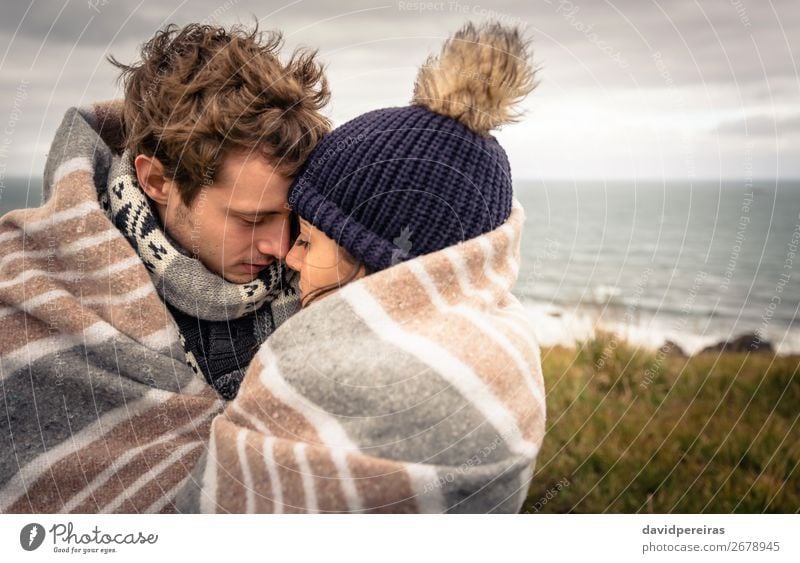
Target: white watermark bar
x,y
401,538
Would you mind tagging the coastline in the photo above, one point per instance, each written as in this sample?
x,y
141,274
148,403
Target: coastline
x,y
557,326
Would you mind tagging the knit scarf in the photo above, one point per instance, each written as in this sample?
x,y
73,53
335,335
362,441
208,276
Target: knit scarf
x,y
182,280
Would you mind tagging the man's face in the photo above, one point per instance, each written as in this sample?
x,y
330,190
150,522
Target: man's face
x,y
237,225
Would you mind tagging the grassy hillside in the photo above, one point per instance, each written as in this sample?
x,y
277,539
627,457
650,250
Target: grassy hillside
x,y
639,431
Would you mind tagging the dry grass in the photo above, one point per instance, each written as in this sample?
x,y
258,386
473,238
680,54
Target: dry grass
x,y
636,431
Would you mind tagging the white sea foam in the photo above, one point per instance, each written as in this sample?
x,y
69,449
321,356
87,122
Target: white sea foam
x,y
561,326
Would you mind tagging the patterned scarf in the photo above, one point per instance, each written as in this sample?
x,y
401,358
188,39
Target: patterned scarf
x,y
182,280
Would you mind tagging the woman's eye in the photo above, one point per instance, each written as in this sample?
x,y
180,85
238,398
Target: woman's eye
x,y
251,223
302,243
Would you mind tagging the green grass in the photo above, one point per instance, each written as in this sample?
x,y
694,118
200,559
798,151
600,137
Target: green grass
x,y
632,430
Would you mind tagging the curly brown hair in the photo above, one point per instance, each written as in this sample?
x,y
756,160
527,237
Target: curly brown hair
x,y
201,92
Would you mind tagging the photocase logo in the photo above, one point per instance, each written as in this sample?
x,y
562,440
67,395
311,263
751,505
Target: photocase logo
x,y
403,244
31,536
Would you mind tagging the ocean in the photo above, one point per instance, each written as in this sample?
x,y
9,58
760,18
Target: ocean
x,y
695,263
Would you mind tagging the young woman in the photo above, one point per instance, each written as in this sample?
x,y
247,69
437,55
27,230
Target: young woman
x,y
409,381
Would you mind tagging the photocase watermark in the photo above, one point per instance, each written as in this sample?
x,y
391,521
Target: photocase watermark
x,y
403,244
195,238
470,10
628,317
652,369
476,10
66,539
476,460
744,219
549,495
214,16
421,6
162,416
741,12
20,95
97,4
53,306
783,280
31,536
569,11
547,252
343,145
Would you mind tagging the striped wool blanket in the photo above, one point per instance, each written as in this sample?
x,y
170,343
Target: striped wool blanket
x,y
100,410
415,389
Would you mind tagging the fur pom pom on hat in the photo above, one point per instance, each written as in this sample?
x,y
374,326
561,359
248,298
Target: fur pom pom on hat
x,y
478,78
401,182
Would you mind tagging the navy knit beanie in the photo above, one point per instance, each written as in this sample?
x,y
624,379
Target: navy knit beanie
x,y
401,182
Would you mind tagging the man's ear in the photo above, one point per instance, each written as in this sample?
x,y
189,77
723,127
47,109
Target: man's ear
x,y
150,173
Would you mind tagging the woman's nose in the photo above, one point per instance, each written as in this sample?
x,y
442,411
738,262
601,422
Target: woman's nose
x,y
294,260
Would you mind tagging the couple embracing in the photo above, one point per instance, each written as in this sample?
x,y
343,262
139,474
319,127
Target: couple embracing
x,y
225,306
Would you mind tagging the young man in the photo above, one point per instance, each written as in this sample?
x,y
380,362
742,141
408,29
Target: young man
x,y
166,206
215,126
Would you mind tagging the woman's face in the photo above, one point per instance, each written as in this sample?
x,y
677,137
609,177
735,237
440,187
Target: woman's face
x,y
320,261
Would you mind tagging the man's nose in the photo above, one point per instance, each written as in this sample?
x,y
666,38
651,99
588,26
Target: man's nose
x,y
274,240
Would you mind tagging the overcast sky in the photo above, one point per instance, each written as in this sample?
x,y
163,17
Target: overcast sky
x,y
634,89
